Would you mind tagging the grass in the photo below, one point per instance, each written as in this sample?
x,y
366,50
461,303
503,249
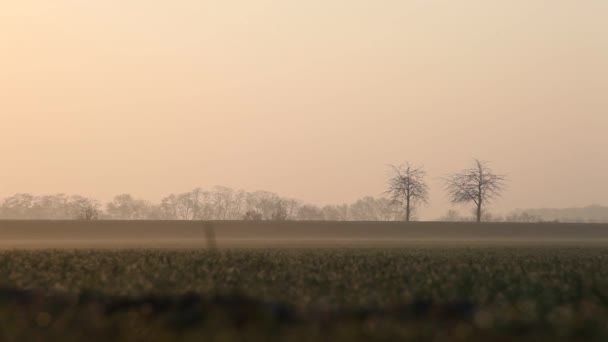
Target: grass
x,y
423,293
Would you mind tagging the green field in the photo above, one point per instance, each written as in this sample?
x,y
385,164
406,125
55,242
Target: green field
x,y
438,293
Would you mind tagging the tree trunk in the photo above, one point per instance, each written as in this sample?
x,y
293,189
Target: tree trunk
x,y
479,212
407,211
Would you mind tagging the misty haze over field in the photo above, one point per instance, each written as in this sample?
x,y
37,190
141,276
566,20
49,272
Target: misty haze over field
x,y
303,170
151,98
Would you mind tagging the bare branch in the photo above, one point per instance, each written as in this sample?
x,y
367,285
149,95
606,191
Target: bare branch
x,y
406,187
478,184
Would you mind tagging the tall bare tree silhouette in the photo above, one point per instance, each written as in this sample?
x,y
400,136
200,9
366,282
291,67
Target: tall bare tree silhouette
x,y
406,187
477,184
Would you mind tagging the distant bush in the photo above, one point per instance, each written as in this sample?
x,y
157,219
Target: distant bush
x,y
252,216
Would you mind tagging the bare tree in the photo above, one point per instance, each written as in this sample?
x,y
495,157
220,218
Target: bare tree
x,y
406,187
126,207
335,212
85,208
252,215
309,212
478,184
374,209
280,213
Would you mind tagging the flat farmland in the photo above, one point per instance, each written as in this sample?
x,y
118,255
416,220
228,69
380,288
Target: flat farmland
x,y
302,281
420,293
230,234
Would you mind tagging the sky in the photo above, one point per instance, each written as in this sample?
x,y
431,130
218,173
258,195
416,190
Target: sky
x,y
310,99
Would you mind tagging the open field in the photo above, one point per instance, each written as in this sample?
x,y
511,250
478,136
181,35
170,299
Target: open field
x,y
160,281
193,234
416,293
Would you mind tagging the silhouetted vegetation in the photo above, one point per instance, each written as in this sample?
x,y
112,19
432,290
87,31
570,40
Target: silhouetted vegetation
x,y
406,191
60,206
220,203
407,187
589,214
478,184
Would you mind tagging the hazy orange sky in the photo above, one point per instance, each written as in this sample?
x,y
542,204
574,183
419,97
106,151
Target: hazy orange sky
x,y
309,99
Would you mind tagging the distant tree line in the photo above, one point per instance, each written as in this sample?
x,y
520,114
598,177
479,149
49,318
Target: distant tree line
x,y
406,191
59,206
588,214
219,203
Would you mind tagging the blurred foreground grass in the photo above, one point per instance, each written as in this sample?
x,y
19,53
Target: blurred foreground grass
x,y
440,293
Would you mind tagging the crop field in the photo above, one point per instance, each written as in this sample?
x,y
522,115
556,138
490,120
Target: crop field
x,y
329,281
287,234
434,293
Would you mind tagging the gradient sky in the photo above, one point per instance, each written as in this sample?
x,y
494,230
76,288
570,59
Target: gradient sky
x,y
309,99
